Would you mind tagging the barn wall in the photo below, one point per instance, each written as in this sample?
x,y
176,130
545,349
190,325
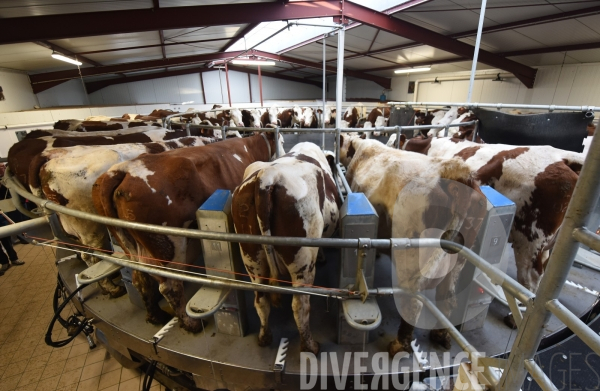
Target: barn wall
x,y
70,93
17,91
572,84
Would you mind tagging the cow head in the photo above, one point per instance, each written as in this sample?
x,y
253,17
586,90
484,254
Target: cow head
x,y
254,118
236,118
307,117
381,121
349,143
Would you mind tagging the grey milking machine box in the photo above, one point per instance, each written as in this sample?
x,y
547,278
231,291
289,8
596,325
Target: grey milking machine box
x,y
358,219
474,287
222,259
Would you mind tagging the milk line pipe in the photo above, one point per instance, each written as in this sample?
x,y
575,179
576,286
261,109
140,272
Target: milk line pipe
x,y
19,228
499,106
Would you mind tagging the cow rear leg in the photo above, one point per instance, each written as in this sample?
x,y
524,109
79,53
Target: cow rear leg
x,y
173,291
302,272
263,309
410,309
445,297
147,286
107,285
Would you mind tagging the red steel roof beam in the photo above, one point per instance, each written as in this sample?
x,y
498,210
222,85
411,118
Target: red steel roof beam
x,y
34,28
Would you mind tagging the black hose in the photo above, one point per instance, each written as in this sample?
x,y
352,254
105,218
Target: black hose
x,y
73,320
149,376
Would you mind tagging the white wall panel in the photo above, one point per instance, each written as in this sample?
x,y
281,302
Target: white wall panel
x,y
359,88
96,98
70,93
238,83
117,94
190,88
142,92
17,92
571,84
167,90
214,87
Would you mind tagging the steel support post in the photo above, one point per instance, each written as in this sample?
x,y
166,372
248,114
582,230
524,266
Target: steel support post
x,y
476,54
584,198
339,86
324,88
260,86
227,80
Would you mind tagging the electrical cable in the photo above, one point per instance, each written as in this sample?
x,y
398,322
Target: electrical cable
x,y
73,324
149,376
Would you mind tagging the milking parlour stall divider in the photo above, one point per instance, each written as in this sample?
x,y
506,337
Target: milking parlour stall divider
x,y
225,356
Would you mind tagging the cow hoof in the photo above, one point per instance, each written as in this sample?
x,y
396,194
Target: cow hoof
x,y
265,339
117,292
311,346
441,337
397,347
159,318
510,321
192,325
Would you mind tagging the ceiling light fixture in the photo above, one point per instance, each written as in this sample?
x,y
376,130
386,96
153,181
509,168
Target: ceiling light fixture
x,y
411,70
253,62
64,58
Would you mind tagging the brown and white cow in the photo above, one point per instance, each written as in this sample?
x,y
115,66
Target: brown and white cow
x,y
308,118
22,153
538,179
167,190
414,196
296,196
269,117
66,176
251,118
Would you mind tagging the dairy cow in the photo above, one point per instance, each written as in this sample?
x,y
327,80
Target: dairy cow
x,y
424,194
167,190
66,176
22,153
538,179
294,195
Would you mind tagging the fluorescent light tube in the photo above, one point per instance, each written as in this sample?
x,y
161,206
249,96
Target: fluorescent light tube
x,y
411,70
253,62
59,56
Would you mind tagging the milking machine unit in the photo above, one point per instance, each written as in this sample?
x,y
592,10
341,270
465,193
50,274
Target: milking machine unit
x,y
358,219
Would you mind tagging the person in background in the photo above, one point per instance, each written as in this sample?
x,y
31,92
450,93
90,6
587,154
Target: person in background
x,y
7,245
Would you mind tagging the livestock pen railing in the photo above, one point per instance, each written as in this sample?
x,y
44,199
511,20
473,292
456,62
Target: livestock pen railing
x,y
539,306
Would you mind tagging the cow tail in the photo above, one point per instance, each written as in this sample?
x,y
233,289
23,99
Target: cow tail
x,y
102,197
264,201
34,177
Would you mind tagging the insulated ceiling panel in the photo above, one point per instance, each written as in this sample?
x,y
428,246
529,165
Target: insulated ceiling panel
x,y
103,42
565,32
22,8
